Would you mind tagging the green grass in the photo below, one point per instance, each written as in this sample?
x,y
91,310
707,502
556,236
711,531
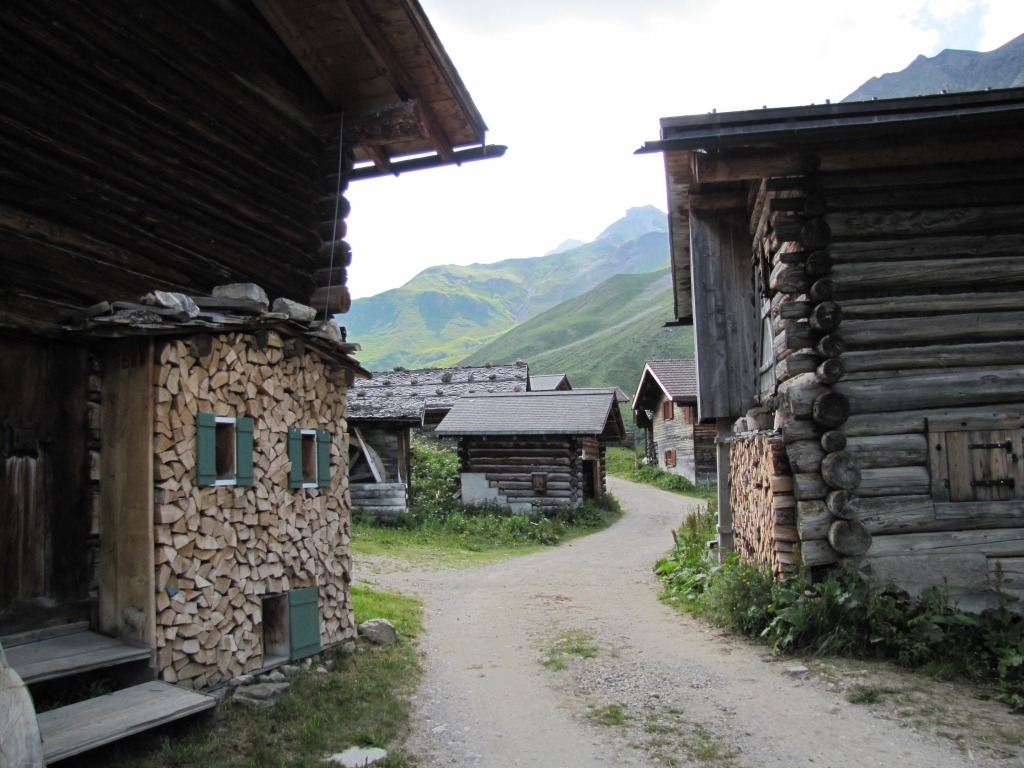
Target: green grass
x,y
622,462
610,714
363,700
572,643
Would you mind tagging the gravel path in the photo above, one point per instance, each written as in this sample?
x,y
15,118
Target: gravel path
x,y
661,688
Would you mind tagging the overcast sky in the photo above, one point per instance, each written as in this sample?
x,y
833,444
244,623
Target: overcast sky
x,y
573,87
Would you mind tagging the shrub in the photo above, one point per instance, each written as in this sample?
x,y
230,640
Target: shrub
x,y
841,614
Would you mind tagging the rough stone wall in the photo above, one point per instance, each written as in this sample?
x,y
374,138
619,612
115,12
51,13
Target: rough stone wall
x,y
220,549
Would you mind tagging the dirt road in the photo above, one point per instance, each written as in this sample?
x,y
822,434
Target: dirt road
x,y
660,688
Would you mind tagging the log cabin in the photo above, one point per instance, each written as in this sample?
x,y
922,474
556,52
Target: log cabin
x,y
665,407
854,275
163,150
534,451
385,410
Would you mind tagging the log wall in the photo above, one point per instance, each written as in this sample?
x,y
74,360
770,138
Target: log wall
x,y
220,550
511,463
894,303
171,145
675,434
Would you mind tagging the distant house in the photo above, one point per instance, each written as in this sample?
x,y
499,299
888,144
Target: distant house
x,y
385,409
550,382
533,451
665,407
855,277
173,484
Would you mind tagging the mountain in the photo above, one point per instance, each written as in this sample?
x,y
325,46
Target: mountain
x,y
600,338
951,71
446,312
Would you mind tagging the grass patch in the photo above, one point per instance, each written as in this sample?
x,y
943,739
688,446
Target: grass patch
x,y
363,699
623,462
572,643
610,714
868,694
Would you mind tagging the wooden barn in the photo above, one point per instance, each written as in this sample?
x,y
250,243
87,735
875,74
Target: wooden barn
x,y
173,490
665,407
387,408
855,275
533,451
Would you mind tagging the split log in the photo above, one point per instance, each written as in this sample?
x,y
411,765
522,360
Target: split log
x,y
843,504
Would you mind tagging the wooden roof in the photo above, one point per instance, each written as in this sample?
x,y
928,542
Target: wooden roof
x,y
713,160
675,379
550,381
403,395
380,64
535,413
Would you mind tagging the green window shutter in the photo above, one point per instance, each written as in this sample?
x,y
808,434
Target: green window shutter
x,y
323,458
206,448
295,456
304,621
243,452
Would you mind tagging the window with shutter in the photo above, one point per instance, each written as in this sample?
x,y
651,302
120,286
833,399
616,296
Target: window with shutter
x,y
224,450
976,467
309,451
666,410
670,457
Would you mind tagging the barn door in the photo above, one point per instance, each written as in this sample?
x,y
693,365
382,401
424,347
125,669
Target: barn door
x,y
44,519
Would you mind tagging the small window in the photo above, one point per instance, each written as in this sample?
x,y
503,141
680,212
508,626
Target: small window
x,y
670,457
976,466
310,453
224,450
667,412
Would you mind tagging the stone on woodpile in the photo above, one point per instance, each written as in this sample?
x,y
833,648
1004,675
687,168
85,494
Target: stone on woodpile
x,y
378,632
261,695
176,301
295,311
243,292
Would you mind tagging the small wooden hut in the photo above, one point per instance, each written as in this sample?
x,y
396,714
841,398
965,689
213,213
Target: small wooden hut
x,y
855,276
536,450
385,409
665,407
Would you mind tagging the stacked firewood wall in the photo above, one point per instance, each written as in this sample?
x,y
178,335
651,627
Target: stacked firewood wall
x,y
762,502
219,549
892,304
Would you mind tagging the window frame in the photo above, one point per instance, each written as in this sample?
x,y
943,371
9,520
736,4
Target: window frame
x,y
210,448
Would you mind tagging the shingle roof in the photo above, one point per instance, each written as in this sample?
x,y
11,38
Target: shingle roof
x,y
549,382
676,378
402,395
532,413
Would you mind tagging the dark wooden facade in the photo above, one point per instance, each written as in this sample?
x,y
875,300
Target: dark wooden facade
x,y
861,287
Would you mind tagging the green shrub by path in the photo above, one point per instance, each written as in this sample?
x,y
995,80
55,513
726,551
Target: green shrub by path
x,y
622,462
841,615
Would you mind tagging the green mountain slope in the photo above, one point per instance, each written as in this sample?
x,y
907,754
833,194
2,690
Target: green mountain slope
x,y
446,312
601,338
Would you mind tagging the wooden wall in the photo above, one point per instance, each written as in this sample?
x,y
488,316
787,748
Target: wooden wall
x,y
675,434
510,464
169,146
44,470
896,299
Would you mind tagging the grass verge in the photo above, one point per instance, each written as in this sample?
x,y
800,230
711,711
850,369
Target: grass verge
x,y
622,462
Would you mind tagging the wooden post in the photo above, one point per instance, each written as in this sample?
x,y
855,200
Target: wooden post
x,y
725,530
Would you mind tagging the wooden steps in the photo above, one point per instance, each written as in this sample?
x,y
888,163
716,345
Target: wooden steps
x,y
89,724
62,652
69,651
